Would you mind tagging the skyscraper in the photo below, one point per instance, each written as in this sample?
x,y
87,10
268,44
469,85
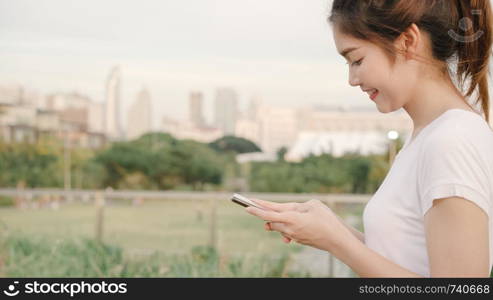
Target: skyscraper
x,y
195,109
140,115
225,110
112,124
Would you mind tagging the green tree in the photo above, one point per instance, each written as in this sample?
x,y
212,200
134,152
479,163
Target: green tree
x,y
235,144
160,161
34,164
281,152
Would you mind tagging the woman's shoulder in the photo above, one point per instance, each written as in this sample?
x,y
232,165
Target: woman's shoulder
x,y
461,127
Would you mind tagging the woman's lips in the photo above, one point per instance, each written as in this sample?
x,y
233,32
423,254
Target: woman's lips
x,y
373,95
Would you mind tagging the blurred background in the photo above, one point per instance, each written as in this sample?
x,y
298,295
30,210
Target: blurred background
x,y
125,126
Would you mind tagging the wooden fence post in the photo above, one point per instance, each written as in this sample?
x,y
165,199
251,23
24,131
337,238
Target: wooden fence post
x,y
213,225
331,205
99,216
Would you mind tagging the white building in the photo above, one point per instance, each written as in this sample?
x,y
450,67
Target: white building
x,y
18,115
278,127
187,130
250,130
196,115
338,132
337,143
359,119
10,94
140,116
272,127
63,101
78,107
96,117
318,128
226,110
112,123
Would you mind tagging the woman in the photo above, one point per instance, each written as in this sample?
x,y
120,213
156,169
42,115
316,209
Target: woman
x,y
433,214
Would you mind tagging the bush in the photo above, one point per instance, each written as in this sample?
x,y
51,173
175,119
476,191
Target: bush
x,y
28,256
6,201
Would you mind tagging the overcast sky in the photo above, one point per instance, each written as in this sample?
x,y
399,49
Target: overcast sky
x,y
280,50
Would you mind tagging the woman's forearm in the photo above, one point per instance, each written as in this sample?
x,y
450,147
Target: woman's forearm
x,y
367,263
358,234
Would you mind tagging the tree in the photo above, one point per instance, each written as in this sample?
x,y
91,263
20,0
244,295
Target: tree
x,y
235,144
162,161
34,164
281,152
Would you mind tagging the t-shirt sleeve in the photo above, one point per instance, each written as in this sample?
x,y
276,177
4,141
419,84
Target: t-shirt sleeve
x,y
454,165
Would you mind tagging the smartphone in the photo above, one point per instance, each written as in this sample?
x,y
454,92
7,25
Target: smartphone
x,y
244,201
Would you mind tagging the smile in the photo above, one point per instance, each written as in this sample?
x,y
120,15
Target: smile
x,y
373,94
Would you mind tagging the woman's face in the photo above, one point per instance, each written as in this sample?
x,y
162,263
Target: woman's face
x,y
389,86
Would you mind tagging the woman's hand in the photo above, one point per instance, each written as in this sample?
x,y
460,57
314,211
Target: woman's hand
x,y
311,223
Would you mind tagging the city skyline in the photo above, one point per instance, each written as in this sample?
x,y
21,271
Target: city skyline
x,y
283,56
280,51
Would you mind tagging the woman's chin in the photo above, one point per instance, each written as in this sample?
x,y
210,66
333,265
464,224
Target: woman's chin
x,y
384,109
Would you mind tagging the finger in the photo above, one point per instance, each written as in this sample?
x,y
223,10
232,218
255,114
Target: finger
x,y
315,203
276,206
279,227
267,226
265,215
286,238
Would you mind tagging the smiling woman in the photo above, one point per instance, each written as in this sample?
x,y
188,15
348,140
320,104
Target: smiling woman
x,y
433,214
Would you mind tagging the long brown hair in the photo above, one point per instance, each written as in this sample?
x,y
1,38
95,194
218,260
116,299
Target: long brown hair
x,y
460,32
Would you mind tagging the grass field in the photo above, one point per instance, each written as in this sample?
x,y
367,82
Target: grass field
x,y
167,238
155,238
172,227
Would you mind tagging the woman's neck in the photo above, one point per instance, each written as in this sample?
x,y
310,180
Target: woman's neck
x,y
432,98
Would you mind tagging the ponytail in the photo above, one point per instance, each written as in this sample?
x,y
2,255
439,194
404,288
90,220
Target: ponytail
x,y
474,49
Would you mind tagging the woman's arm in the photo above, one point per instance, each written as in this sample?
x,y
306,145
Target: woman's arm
x,y
358,234
457,242
457,238
456,234
368,263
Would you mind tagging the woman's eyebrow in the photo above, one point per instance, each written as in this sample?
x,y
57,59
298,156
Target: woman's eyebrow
x,y
347,50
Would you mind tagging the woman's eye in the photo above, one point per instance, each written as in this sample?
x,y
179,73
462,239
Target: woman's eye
x,y
357,63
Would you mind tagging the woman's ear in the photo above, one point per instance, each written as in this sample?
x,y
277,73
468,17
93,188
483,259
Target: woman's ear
x,y
409,41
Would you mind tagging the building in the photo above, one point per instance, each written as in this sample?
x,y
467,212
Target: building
x,y
317,130
96,117
196,116
112,123
63,101
337,143
140,115
61,116
226,110
187,130
340,131
11,94
278,127
17,123
272,127
249,129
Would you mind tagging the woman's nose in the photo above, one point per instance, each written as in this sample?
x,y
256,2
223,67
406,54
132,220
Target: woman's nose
x,y
353,79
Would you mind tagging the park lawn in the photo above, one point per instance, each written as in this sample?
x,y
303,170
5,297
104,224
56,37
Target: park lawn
x,y
167,226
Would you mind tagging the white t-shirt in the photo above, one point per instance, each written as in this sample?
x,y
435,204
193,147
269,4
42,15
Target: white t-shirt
x,y
451,156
